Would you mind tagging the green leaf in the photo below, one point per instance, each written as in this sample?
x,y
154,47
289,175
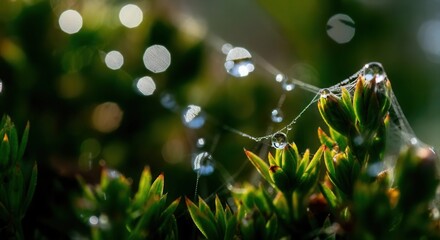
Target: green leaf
x,y
31,188
347,105
220,216
13,140
304,163
202,221
325,139
15,191
329,196
5,150
316,159
328,160
260,165
144,189
171,208
271,228
23,143
157,186
231,224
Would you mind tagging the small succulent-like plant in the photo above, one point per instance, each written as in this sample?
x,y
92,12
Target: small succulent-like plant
x,y
347,197
18,179
112,214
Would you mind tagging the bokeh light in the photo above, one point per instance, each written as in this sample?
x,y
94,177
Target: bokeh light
x,y
114,60
341,28
70,21
157,58
107,117
146,86
131,16
429,38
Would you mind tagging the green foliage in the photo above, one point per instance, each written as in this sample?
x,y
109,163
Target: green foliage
x,y
347,200
112,214
17,183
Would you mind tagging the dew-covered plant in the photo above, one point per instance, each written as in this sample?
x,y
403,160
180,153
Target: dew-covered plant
x,y
111,213
18,180
342,191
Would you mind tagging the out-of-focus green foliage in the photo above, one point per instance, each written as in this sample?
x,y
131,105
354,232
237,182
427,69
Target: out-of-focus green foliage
x,y
18,179
111,213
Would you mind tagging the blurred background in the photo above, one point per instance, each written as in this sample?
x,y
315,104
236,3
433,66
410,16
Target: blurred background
x,y
113,83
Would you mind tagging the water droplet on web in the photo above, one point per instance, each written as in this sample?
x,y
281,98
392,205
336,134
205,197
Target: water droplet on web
x,y
203,163
280,77
168,101
289,127
279,140
130,16
200,142
374,70
277,115
324,93
238,62
341,28
193,117
288,84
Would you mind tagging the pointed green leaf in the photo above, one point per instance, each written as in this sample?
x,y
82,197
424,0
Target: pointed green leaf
x,y
15,190
23,143
5,150
13,141
171,208
325,139
31,188
347,105
271,159
316,159
220,216
329,196
231,224
304,163
157,186
202,221
144,189
260,165
203,206
271,228
328,159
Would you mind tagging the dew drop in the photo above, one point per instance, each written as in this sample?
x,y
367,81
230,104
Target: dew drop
x,y
279,140
341,28
324,93
1,86
289,127
288,84
374,70
200,142
203,163
238,62
280,77
113,174
277,115
193,117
